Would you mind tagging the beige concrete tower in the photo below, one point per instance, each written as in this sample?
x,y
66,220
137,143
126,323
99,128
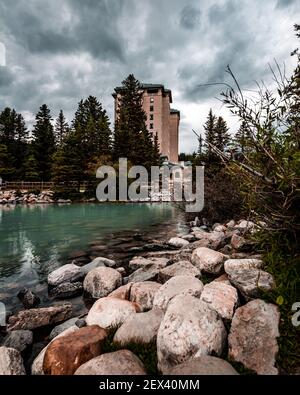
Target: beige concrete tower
x,y
161,119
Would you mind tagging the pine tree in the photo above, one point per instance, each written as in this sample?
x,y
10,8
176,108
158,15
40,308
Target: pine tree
x,y
210,137
243,138
43,144
30,170
132,140
61,129
222,136
92,127
7,166
67,161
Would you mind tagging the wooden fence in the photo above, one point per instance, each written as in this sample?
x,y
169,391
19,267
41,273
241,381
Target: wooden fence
x,y
40,185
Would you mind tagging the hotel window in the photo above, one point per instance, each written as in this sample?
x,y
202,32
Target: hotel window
x,y
151,117
151,125
151,99
151,108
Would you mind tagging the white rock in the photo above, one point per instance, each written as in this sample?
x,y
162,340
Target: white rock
x,y
139,328
178,285
181,268
143,293
121,363
109,313
141,262
188,330
66,273
251,281
252,339
236,264
208,260
101,281
11,362
204,366
245,225
98,262
178,242
221,297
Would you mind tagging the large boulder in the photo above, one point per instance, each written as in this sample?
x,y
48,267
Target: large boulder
x,y
121,292
98,262
120,363
66,290
144,293
248,263
208,260
65,354
214,239
205,365
37,365
179,285
252,339
221,297
178,242
19,340
102,281
141,262
251,282
139,328
11,362
64,274
147,273
109,313
180,268
36,318
188,330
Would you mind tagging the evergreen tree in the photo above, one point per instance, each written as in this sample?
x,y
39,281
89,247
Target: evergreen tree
x,y
222,136
7,167
210,136
30,170
67,161
61,128
92,127
131,137
243,138
43,144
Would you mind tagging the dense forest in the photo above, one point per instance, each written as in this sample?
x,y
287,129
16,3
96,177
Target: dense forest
x,y
61,152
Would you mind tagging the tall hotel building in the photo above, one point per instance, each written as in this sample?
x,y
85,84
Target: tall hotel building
x,y
161,118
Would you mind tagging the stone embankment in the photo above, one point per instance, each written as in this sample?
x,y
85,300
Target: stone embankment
x,y
196,299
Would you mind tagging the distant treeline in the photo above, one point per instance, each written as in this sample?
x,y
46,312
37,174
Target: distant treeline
x,y
64,152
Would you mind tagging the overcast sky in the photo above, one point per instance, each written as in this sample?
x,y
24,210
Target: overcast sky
x,y
60,51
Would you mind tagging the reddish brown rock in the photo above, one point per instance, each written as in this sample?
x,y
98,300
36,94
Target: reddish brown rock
x,y
36,318
64,355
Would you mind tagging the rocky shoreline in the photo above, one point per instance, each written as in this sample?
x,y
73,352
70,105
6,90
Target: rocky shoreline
x,y
192,304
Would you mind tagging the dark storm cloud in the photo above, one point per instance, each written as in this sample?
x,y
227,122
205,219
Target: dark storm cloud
x,y
41,27
60,51
190,17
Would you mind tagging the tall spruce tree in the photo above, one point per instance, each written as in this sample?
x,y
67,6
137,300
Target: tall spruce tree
x,y
92,127
222,136
210,136
61,129
68,160
7,165
43,144
131,137
243,138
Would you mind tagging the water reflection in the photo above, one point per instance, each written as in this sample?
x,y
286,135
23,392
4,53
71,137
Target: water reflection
x,y
36,239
